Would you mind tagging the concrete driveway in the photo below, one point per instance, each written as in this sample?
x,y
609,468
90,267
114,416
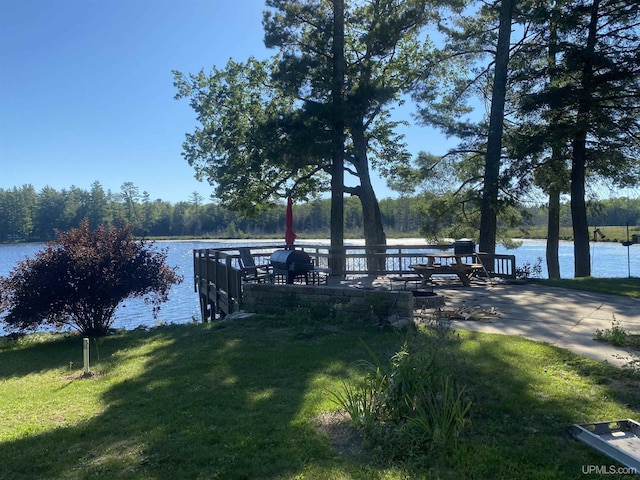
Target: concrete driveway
x,y
561,317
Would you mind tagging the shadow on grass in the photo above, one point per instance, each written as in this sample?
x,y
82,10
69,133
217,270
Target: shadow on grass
x,y
238,401
41,352
24,355
198,402
526,395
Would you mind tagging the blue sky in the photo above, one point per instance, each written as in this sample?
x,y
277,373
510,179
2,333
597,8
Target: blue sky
x,y
86,90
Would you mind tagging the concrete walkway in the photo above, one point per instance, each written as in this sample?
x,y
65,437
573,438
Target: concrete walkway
x,y
561,317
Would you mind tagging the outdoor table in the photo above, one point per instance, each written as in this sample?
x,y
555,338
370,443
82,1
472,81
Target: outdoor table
x,y
446,264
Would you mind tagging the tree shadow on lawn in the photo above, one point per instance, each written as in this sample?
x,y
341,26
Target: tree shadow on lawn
x,y
222,402
22,355
524,401
236,401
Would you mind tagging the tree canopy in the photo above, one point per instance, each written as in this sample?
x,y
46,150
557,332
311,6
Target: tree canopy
x,y
572,102
266,127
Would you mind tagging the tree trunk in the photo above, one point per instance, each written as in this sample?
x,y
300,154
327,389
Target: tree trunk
x,y
374,235
336,252
557,165
581,255
489,212
553,233
582,258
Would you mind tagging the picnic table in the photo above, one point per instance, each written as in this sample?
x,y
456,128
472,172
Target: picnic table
x,y
448,264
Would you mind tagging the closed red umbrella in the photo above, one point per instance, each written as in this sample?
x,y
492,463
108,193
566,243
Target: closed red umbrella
x,y
289,235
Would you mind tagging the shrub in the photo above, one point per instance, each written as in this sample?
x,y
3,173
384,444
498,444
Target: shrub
x,y
410,408
527,270
80,278
616,335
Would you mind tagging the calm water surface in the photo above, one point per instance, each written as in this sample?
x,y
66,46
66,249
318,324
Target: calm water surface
x,y
182,306
608,260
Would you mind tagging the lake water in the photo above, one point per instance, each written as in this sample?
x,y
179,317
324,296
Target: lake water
x,y
608,260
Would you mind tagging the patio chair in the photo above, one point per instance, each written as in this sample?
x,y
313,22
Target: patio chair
x,y
252,272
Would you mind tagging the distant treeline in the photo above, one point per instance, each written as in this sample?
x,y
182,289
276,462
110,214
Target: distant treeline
x,y
29,215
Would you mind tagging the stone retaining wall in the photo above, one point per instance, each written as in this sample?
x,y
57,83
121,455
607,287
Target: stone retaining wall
x,y
348,302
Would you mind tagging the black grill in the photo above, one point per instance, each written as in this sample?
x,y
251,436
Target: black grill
x,y
291,264
464,247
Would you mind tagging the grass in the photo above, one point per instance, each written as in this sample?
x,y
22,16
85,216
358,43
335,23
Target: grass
x,y
242,400
613,233
628,287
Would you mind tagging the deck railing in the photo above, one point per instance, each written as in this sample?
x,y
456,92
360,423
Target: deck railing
x,y
218,276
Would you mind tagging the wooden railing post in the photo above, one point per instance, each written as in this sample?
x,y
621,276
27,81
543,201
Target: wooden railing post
x,y
196,270
211,303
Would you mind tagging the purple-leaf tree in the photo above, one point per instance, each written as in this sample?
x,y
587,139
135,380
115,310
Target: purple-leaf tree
x,y
80,278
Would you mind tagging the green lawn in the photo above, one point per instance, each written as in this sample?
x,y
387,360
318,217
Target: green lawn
x,y
242,400
628,287
613,233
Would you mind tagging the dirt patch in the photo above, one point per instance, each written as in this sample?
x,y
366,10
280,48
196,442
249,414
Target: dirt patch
x,y
344,439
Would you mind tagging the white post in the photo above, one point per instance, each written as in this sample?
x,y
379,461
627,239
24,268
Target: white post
x,y
85,342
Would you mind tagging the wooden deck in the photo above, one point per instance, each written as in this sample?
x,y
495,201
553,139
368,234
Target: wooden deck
x,y
218,277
